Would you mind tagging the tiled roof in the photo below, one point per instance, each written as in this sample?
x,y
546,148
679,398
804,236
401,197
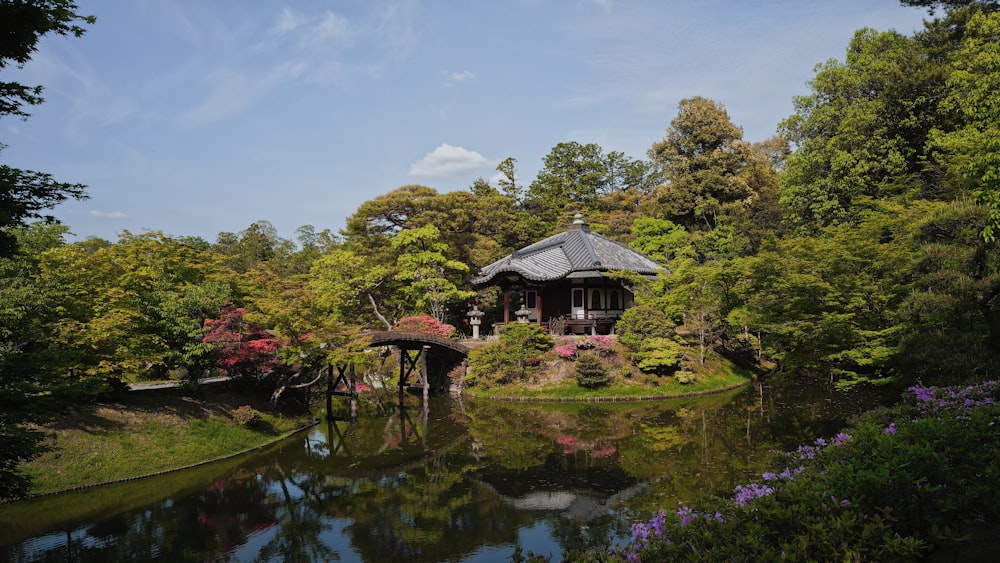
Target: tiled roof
x,y
577,249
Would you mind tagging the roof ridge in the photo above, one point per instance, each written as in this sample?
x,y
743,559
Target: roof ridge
x,y
589,246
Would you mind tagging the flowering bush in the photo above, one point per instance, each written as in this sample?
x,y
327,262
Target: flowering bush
x,y
904,482
426,324
599,343
248,416
566,351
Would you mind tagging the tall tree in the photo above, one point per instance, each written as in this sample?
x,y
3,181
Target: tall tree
x,y
971,148
860,135
576,176
25,194
699,162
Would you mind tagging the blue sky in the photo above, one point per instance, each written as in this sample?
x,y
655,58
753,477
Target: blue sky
x,y
195,117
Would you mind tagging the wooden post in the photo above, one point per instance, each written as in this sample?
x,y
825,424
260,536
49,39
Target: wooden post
x,y
404,357
354,394
423,371
506,306
329,393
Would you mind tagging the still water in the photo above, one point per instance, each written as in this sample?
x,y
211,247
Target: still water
x,y
455,481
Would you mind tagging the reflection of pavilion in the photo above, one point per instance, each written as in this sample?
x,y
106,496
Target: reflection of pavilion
x,y
579,506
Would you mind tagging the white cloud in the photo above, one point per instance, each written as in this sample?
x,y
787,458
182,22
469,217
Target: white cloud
x,y
107,214
288,21
331,27
448,160
451,77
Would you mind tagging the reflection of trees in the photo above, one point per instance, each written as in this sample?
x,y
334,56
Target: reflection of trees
x,y
299,537
202,527
443,496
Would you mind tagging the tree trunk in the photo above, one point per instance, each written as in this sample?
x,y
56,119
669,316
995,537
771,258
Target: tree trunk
x,y
388,325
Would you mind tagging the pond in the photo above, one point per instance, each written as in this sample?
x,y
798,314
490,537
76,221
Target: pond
x,y
454,480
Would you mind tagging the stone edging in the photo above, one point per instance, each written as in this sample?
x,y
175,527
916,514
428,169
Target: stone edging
x,y
615,399
176,469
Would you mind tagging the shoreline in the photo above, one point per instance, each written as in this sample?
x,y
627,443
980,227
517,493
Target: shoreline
x,y
614,399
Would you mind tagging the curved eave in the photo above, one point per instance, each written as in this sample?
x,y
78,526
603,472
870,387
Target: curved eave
x,y
492,278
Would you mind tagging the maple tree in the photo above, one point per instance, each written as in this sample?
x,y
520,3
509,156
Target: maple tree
x,y
242,348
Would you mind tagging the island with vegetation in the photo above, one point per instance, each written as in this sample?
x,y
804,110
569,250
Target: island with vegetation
x,y
857,247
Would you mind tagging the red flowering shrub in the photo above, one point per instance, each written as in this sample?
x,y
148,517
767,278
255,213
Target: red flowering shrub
x,y
241,348
426,324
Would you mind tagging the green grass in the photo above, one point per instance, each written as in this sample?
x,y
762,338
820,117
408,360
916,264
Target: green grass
x,y
146,434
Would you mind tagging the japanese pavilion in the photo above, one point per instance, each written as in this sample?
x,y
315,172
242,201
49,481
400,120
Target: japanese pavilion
x,y
562,282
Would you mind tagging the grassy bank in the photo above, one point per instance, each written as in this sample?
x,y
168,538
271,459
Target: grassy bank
x,y
144,433
559,383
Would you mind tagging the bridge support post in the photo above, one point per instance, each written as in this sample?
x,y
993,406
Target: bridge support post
x,y
407,365
354,393
423,372
351,392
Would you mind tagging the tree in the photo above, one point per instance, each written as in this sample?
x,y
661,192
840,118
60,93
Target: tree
x,y
972,147
354,288
428,276
952,315
24,195
700,164
242,348
933,5
860,136
576,176
128,310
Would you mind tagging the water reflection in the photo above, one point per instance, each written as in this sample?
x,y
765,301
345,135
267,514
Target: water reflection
x,y
457,481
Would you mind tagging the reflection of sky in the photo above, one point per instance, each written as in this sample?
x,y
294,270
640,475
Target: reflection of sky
x,y
333,537
539,536
50,542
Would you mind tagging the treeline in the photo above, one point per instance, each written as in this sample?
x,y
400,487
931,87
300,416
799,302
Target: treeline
x,y
858,244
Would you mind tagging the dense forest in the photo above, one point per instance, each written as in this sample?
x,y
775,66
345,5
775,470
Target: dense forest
x,y
857,245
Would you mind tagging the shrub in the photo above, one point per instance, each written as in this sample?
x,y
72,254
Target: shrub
x,y
566,351
901,484
660,356
684,376
510,357
425,324
591,372
248,416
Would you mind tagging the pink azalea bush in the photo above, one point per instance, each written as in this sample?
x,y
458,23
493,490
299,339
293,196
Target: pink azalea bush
x,y
425,324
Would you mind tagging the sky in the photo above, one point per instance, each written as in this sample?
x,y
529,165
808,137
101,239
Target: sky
x,y
194,118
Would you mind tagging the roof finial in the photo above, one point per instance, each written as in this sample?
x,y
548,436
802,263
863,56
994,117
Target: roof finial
x,y
578,219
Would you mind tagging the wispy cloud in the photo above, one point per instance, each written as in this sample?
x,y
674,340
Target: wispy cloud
x,y
106,214
448,160
453,77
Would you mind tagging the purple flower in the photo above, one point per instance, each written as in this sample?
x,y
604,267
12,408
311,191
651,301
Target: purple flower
x,y
658,523
639,532
686,515
746,494
891,429
841,439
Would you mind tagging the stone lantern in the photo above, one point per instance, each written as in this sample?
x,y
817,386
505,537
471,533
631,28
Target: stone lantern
x,y
475,319
522,314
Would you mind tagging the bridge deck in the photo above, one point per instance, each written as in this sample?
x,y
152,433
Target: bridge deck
x,y
416,340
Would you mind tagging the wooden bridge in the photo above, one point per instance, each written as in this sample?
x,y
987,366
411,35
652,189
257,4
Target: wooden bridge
x,y
405,340
413,350
422,344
